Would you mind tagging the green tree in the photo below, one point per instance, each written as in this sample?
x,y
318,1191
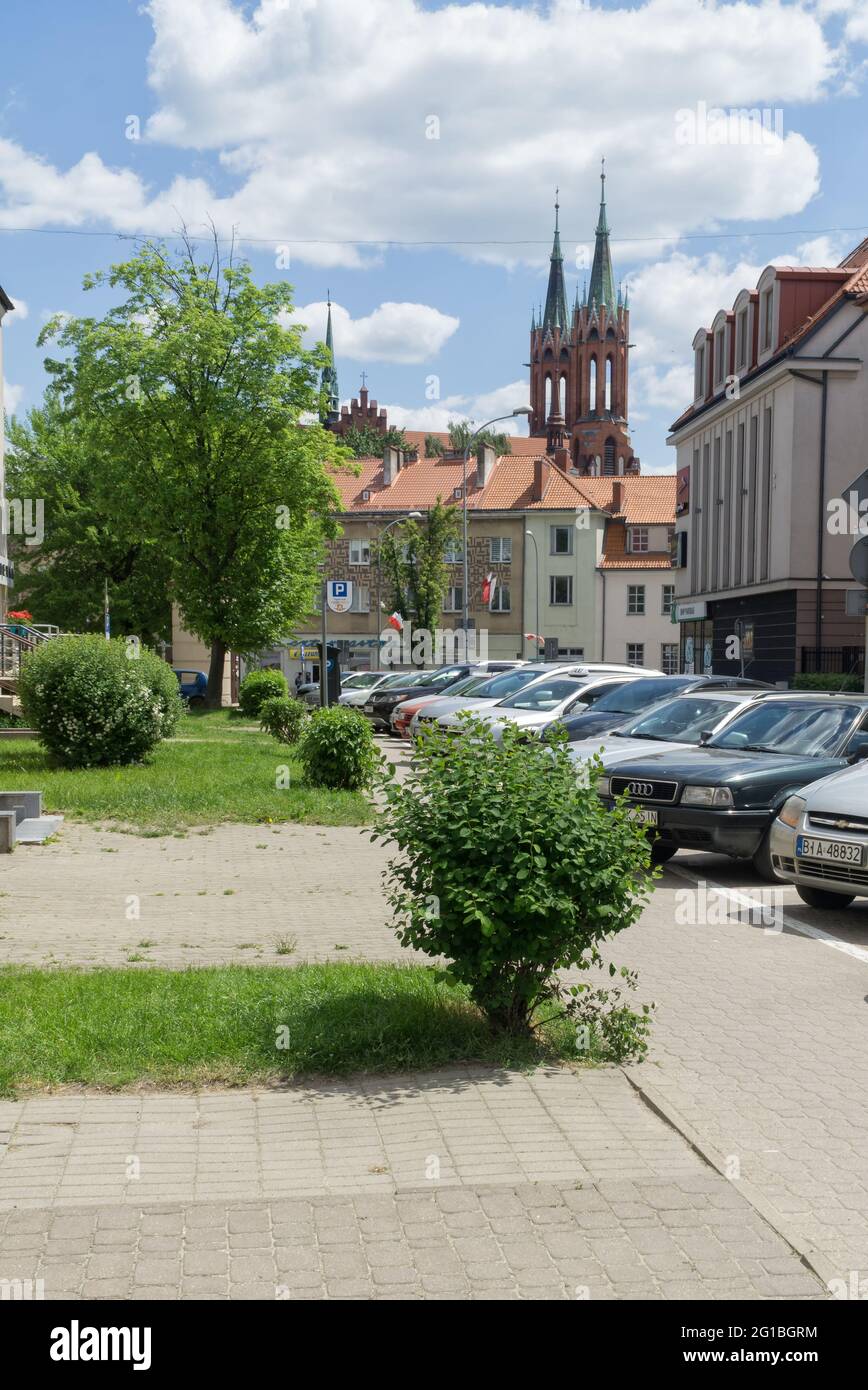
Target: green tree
x,y
366,442
84,547
193,388
461,433
434,446
413,561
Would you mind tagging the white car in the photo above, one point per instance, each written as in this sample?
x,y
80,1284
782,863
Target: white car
x,y
671,725
819,840
357,696
565,690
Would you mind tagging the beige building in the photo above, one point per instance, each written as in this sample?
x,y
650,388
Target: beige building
x,y
776,432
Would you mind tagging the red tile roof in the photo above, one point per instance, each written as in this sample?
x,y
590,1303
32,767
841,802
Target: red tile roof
x,y
519,443
644,500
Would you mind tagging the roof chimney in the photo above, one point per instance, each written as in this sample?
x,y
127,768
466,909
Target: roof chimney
x,y
392,460
619,493
485,461
562,459
540,478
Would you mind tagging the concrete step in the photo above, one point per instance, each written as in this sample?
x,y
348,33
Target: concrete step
x,y
33,830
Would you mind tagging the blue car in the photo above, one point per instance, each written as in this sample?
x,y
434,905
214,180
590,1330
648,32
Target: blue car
x,y
193,685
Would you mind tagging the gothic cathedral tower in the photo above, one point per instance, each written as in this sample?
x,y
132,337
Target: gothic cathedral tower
x,y
579,364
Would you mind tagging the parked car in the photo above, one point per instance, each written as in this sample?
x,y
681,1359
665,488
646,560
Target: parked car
x,y
553,695
404,713
355,691
724,795
379,707
359,680
193,686
819,840
442,709
634,697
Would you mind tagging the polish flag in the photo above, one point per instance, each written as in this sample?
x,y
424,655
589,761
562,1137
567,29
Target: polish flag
x,y
396,621
489,585
535,637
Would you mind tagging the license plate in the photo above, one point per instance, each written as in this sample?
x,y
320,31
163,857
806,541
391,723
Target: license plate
x,y
835,851
640,814
369,709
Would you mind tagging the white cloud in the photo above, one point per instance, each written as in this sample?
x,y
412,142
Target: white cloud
x,y
12,396
319,114
392,333
485,406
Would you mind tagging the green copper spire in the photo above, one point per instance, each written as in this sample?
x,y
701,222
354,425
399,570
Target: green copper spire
x,y
602,279
555,315
329,381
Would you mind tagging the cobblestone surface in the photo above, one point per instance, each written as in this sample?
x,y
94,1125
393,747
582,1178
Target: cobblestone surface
x,y
692,1238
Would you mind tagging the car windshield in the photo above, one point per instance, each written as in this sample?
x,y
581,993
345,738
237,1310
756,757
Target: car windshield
x,y
469,685
790,726
363,679
402,678
439,679
546,694
682,720
498,687
638,695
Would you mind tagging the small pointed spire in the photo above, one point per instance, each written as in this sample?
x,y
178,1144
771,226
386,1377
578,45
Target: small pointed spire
x,y
555,315
602,278
329,379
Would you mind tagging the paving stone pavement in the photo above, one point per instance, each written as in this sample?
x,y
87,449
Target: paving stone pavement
x,y
468,1183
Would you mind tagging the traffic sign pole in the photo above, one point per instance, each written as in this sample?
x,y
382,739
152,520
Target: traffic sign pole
x,y
323,656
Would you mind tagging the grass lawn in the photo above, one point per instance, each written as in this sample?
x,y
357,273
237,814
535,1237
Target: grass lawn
x,y
116,1028
218,768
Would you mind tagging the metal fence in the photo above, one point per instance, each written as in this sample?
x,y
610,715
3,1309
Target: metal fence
x,y
837,661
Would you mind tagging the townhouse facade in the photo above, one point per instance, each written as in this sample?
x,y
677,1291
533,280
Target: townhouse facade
x,y
775,434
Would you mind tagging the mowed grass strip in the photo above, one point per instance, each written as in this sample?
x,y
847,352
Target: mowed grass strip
x,y
216,770
234,1025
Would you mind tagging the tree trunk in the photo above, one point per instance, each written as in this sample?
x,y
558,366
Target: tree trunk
x,y
214,697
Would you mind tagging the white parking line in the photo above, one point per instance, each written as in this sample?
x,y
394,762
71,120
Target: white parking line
x,y
745,900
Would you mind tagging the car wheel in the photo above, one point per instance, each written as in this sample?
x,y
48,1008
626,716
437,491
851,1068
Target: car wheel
x,y
660,852
762,861
823,899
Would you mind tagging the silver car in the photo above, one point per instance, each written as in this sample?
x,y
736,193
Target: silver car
x,y
668,727
819,840
552,696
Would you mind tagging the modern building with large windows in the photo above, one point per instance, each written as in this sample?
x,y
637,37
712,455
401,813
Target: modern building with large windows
x,y
775,433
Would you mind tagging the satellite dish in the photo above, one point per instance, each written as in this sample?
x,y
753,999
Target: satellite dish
x,y
859,560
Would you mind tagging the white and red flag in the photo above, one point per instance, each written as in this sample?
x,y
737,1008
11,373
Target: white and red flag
x,y
489,584
396,621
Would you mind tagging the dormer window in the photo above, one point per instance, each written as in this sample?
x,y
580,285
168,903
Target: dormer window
x,y
766,319
366,494
457,493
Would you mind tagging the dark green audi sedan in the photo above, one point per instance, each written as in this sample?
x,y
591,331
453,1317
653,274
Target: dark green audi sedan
x,y
724,795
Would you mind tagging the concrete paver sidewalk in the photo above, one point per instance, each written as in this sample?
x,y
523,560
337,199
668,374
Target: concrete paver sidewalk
x,y
465,1183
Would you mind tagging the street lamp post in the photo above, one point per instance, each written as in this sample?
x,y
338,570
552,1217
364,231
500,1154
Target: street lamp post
x,y
411,516
521,410
531,537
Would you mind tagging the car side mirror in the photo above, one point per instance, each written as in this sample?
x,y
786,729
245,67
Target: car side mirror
x,y
705,736
858,749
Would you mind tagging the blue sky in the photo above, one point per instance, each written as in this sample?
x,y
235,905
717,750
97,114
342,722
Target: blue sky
x,y
308,124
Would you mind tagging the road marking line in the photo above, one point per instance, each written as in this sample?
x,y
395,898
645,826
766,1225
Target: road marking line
x,y
744,900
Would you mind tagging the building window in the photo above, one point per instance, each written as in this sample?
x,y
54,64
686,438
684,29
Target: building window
x,y
767,319
668,599
571,651
636,600
669,658
719,355
360,552
741,340
635,653
561,538
699,374
453,601
500,600
500,550
457,493
453,553
637,540
361,600
560,590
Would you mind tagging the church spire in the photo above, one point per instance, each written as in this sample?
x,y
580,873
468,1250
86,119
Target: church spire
x,y
602,279
329,380
555,315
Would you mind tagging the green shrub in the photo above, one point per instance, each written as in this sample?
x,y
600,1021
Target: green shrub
x,y
282,717
10,721
95,702
827,681
337,749
512,868
258,686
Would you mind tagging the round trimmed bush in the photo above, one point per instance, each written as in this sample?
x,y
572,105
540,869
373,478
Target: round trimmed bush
x,y
95,702
282,717
258,686
337,749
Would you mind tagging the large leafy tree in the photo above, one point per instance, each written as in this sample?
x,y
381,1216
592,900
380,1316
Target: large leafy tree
x,y
363,441
193,388
83,549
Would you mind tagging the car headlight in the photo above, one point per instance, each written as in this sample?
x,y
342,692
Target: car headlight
x,y
604,786
706,796
791,811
